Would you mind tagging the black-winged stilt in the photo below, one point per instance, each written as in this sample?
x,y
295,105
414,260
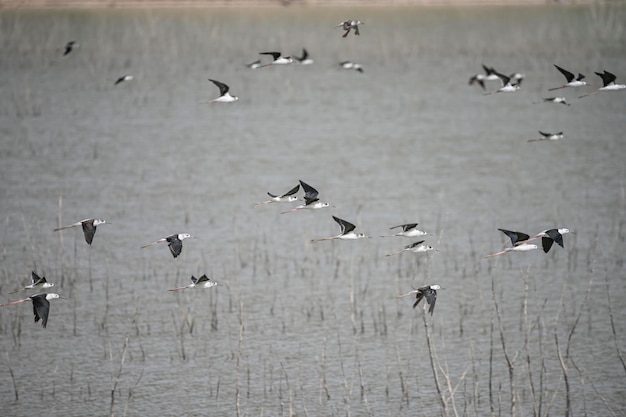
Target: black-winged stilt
x,y
278,59
123,78
174,242
347,232
416,247
225,96
549,236
555,100
348,25
288,197
349,65
572,81
41,305
89,228
507,85
548,136
202,282
429,292
311,202
35,282
489,75
304,59
608,81
69,47
408,230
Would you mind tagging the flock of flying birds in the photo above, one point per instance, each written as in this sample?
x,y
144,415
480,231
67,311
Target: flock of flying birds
x,y
519,241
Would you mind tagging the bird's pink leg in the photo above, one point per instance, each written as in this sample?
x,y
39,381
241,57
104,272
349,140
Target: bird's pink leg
x,y
178,288
15,302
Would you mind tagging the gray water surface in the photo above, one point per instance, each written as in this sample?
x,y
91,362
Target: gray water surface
x,y
300,328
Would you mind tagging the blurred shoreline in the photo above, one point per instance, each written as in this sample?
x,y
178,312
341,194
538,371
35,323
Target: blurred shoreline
x,y
113,4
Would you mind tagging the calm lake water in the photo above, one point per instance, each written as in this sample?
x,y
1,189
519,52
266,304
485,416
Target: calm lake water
x,y
300,328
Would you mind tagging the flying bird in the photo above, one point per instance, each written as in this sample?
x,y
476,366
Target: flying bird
x,y
507,85
408,230
69,47
608,81
549,236
429,292
174,242
278,59
225,96
89,228
349,65
304,59
347,232
123,78
35,282
489,75
41,306
202,282
288,197
311,201
555,100
348,25
548,136
572,81
416,247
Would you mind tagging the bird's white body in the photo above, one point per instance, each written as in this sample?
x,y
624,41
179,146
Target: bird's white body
x,y
408,230
348,65
548,136
556,100
347,232
417,247
124,78
521,247
226,98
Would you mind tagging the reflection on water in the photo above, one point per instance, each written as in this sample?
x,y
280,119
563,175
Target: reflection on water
x,y
301,328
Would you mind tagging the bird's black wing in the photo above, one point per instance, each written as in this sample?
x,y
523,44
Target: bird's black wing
x,y
346,227
418,297
36,278
505,80
568,75
292,191
309,192
223,87
607,77
556,236
176,246
89,230
431,299
546,243
405,227
515,236
275,55
412,245
544,134
203,278
41,308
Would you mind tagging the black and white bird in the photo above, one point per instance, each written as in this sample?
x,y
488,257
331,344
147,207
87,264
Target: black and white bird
x,y
35,282
507,85
254,65
288,197
549,236
311,201
555,100
429,292
69,47
89,228
41,305
278,59
348,25
225,96
408,230
174,242
123,78
489,75
304,59
609,84
202,282
347,232
572,81
548,136
416,247
349,65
